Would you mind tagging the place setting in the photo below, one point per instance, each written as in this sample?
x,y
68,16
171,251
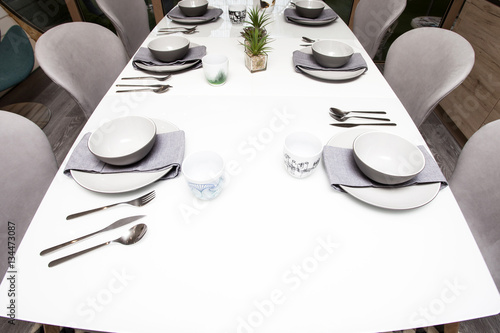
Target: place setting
x,y
382,169
169,54
126,154
312,13
329,60
194,12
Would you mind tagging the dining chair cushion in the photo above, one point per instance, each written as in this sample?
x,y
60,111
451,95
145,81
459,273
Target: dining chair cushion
x,y
424,65
16,57
130,19
475,183
27,167
83,58
372,20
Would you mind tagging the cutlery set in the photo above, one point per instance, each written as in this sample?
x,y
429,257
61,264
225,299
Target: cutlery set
x,y
156,88
342,116
174,30
130,236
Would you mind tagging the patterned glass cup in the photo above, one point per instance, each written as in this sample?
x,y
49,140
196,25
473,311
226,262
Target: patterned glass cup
x,y
302,153
204,173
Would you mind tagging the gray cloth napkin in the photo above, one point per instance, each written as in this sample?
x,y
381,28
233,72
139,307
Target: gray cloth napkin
x,y
194,54
327,14
305,60
211,14
342,170
168,151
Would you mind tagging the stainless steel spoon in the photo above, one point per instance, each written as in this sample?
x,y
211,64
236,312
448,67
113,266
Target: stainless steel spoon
x,y
131,236
341,113
159,78
177,28
342,119
159,90
309,40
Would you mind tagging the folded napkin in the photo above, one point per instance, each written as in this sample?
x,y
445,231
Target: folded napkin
x,y
194,54
326,15
343,170
306,60
211,14
168,151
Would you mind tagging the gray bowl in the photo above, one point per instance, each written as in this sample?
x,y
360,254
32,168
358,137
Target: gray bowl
x,y
124,140
309,9
169,48
387,158
331,53
193,7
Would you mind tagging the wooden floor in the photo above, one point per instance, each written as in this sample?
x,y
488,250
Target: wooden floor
x,y
67,120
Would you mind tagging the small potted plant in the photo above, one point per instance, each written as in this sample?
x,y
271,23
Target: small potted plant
x,y
256,40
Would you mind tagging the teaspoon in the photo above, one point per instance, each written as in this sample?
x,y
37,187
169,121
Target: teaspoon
x,y
342,119
341,113
159,78
159,90
131,236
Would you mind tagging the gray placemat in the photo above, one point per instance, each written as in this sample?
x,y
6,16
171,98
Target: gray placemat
x,y
342,170
194,54
168,151
306,61
211,14
326,15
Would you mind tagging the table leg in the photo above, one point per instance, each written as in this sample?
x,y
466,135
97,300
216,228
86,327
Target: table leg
x,y
451,327
51,329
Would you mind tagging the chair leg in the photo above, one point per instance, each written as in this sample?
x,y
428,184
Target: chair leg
x,y
451,327
51,329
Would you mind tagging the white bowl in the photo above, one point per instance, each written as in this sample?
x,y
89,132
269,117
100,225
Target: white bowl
x,y
193,7
124,140
387,158
169,48
204,173
309,9
331,53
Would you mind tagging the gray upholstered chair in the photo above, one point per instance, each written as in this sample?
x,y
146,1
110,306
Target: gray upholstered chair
x,y
83,58
372,19
424,65
130,19
27,167
475,184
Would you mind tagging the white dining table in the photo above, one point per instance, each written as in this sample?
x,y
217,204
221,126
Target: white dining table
x,y
272,253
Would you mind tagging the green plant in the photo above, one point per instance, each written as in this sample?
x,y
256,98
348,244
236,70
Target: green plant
x,y
258,19
256,38
256,42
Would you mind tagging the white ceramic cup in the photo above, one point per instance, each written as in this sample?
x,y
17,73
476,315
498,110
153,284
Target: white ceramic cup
x,y
237,13
302,153
215,68
204,173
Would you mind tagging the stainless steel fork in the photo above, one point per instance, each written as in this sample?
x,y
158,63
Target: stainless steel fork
x,y
141,201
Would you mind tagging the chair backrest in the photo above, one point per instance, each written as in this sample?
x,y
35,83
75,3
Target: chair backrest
x,y
27,167
130,19
372,19
475,183
424,65
83,58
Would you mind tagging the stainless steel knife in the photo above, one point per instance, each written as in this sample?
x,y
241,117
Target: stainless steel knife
x,y
112,226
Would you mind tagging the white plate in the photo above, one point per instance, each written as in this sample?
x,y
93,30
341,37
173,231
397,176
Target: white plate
x,y
330,75
122,182
167,69
311,22
399,198
192,20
